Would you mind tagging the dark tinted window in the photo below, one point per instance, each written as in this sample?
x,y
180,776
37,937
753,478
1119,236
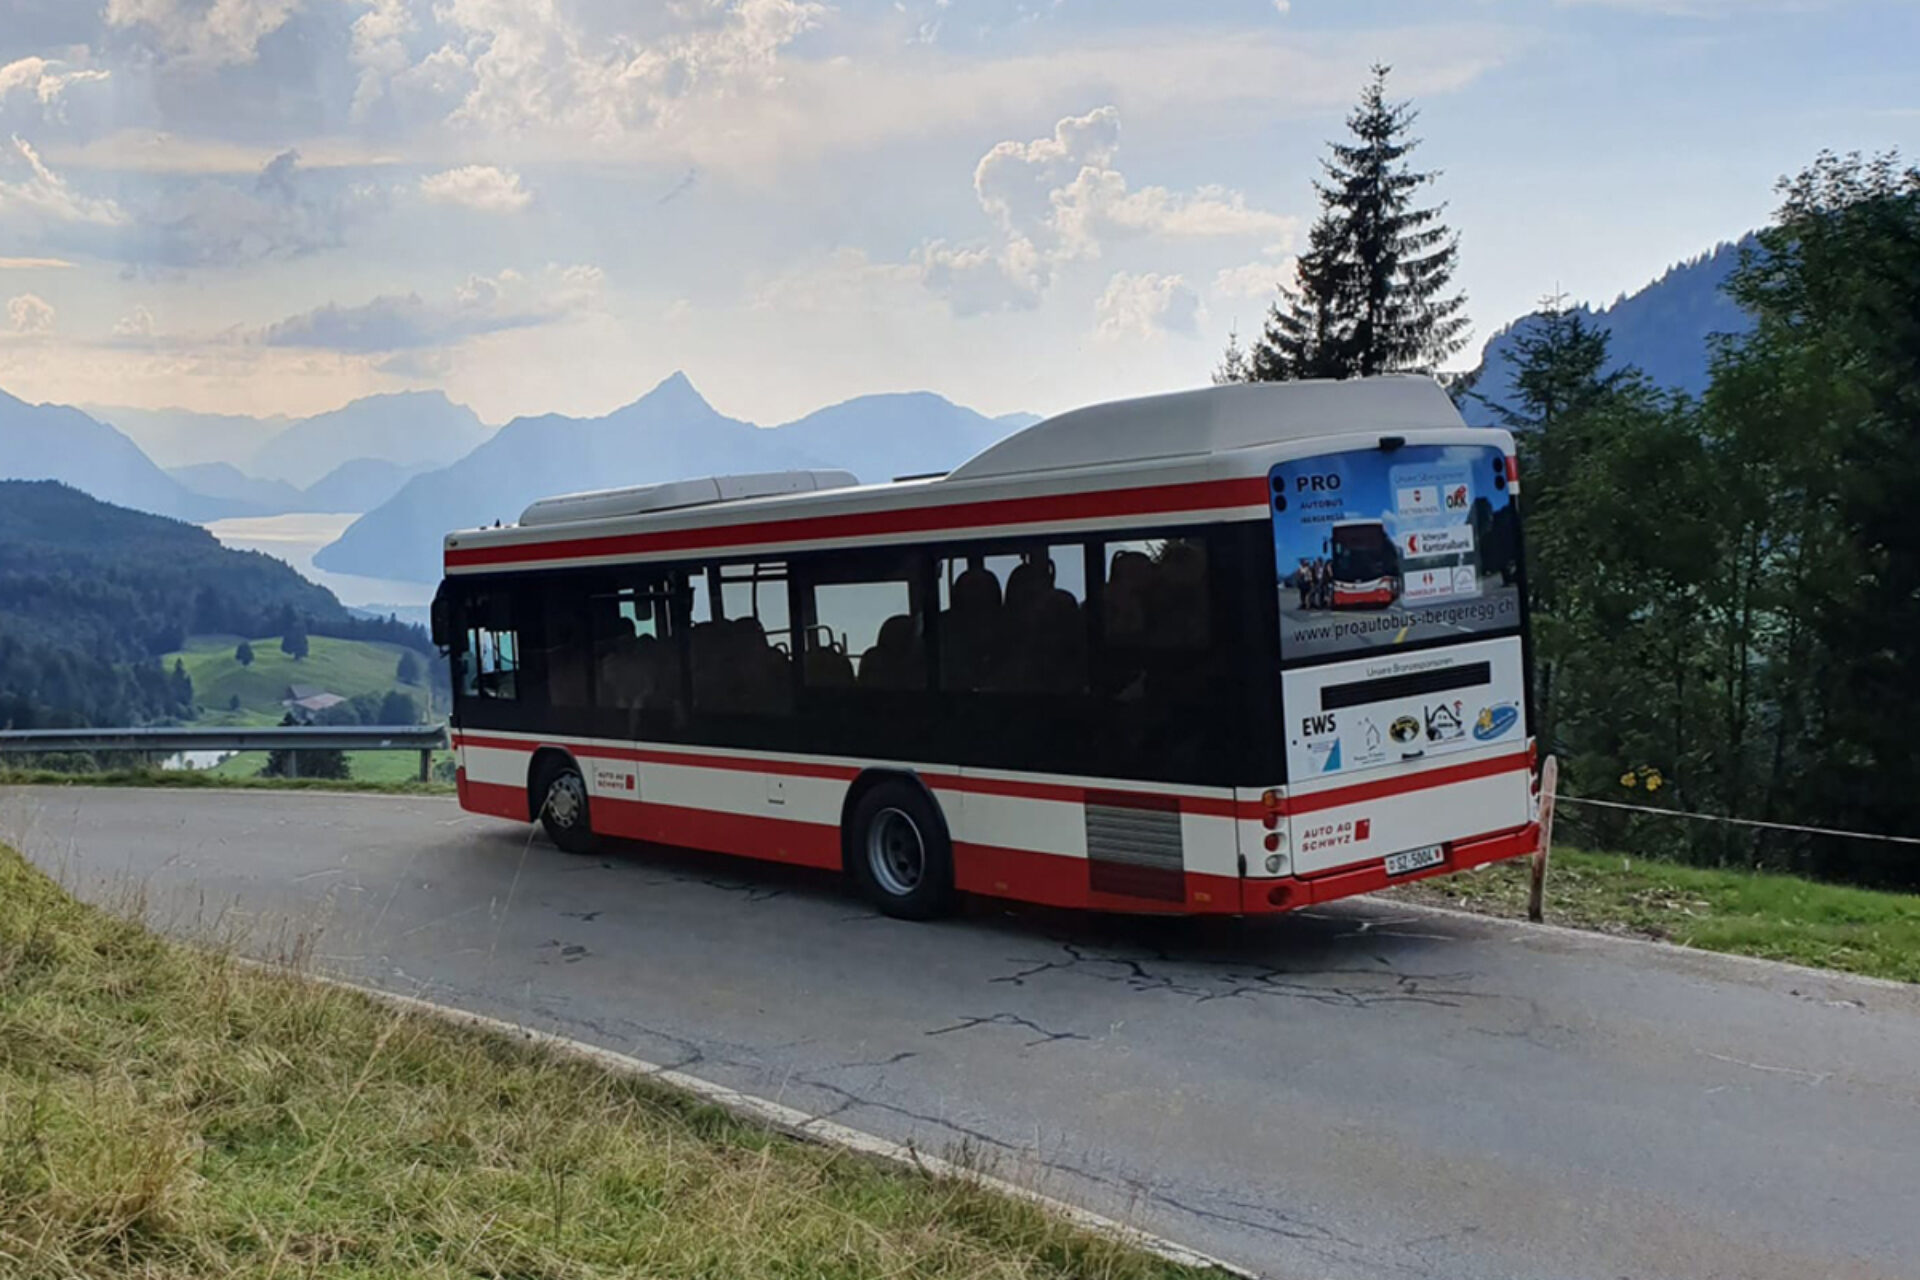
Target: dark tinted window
x,y
866,628
1014,621
741,641
490,648
635,650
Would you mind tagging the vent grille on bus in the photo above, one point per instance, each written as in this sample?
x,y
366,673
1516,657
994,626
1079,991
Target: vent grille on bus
x,y
1135,851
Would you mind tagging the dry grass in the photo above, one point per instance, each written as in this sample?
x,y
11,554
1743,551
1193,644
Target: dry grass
x,y
167,1112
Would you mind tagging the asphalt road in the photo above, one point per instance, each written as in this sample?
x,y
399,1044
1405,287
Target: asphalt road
x,y
1361,1092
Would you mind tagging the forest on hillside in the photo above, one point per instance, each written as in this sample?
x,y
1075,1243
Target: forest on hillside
x,y
1724,583
91,594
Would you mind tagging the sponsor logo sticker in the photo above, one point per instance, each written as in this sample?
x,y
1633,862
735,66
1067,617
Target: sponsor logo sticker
x,y
1494,721
1444,722
1405,729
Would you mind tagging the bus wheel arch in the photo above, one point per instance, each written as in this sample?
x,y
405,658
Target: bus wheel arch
x,y
557,799
895,845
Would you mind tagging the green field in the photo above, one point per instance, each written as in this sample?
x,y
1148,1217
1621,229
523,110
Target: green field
x,y
362,766
167,1112
1775,917
345,667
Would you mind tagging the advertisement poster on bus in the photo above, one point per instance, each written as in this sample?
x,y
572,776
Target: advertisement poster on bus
x,y
1382,548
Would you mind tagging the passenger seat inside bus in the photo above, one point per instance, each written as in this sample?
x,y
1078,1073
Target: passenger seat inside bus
x,y
969,630
897,659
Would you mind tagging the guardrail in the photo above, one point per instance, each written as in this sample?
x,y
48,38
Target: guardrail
x,y
293,738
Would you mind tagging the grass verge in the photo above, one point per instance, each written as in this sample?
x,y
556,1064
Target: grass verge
x,y
192,779
166,1112
1775,917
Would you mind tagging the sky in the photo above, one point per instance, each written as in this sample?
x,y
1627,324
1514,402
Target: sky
x,y
276,206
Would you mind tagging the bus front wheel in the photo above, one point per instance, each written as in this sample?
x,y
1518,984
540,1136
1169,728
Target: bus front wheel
x,y
562,795
898,852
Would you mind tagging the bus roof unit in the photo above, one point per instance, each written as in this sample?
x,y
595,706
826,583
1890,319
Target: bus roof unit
x,y
603,504
1215,420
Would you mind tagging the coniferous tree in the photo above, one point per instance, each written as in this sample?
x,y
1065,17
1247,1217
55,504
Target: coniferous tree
x,y
1233,365
243,654
1374,291
409,670
293,642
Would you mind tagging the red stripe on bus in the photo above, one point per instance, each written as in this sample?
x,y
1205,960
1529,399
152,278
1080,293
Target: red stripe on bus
x,y
1199,495
1065,793
1055,880
1364,791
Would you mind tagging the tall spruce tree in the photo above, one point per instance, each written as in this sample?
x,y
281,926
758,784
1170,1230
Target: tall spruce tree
x,y
1375,283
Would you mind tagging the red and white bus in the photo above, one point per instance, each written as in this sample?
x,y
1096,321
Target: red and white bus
x,y
1366,570
1073,671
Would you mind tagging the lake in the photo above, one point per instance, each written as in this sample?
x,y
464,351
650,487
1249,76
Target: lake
x,y
295,538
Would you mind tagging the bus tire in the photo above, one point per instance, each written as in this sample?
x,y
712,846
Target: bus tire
x,y
898,852
561,794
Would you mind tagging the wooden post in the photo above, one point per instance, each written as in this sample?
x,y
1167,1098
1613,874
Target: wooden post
x,y
426,766
1537,890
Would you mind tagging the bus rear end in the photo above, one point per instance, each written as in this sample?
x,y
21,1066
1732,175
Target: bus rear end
x,y
1406,740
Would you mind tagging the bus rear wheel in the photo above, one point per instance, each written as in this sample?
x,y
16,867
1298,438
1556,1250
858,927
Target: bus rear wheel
x,y
898,853
562,796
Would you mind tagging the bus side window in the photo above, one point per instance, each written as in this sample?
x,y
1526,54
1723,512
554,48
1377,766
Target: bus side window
x,y
490,664
742,659
867,633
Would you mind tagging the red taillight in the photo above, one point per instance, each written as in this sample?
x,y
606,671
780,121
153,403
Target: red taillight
x,y
1273,842
1271,822
1513,468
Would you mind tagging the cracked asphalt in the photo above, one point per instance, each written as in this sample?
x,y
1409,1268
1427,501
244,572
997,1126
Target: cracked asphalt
x,y
1362,1091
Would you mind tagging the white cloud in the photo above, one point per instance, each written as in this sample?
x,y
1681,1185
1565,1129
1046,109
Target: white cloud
x,y
478,186
1259,280
32,264
213,32
1144,306
524,65
46,79
285,212
407,322
847,281
34,192
30,315
136,324
379,51
1058,199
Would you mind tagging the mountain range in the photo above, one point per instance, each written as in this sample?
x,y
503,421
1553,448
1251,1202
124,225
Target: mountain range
x,y
58,442
1665,330
671,432
413,430
416,464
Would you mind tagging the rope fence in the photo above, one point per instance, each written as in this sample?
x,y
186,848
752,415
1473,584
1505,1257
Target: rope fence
x,y
1743,822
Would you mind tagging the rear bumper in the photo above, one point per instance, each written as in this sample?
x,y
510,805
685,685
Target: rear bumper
x,y
1289,893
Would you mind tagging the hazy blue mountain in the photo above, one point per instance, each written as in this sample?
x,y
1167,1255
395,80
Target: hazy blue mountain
x,y
183,438
225,481
670,433
410,428
58,442
882,437
1664,329
1017,421
359,485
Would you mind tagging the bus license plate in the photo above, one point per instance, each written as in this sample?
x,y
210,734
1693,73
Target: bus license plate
x,y
1432,855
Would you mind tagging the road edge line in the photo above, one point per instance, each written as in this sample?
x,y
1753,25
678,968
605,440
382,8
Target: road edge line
x,y
791,1121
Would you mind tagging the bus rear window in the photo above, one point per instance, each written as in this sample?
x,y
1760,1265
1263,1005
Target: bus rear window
x,y
1378,549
